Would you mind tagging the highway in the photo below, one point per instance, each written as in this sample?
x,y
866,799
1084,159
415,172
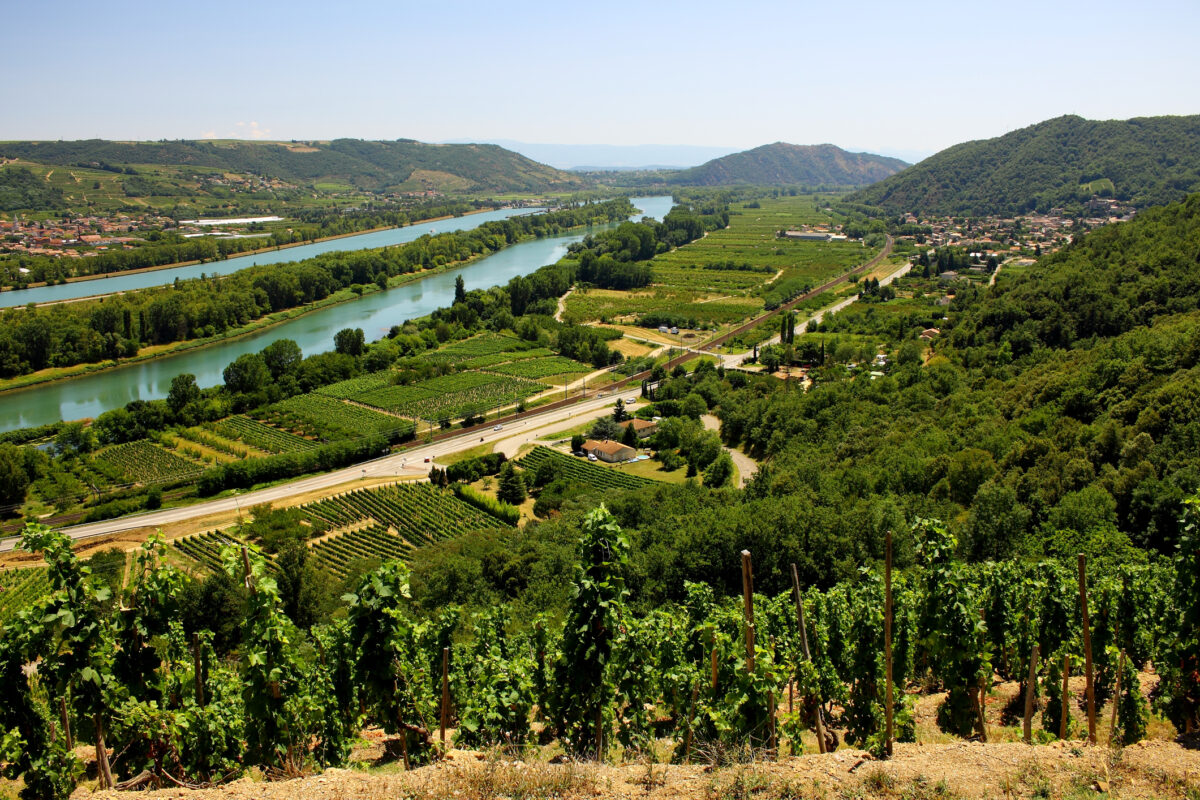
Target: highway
x,y
409,463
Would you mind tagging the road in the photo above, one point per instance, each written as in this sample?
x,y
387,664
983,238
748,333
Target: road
x,y
737,359
746,465
410,463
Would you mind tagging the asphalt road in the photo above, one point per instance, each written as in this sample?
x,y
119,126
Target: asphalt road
x,y
409,463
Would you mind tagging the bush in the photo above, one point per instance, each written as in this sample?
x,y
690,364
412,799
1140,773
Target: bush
x,y
472,469
489,505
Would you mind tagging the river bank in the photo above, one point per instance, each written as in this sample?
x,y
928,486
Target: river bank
x,y
89,394
259,325
244,253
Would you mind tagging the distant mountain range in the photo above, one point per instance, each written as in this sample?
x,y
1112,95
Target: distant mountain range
x,y
404,164
1061,162
781,164
594,157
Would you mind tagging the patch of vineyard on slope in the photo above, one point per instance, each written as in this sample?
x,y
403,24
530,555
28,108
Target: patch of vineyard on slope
x,y
580,471
400,518
20,589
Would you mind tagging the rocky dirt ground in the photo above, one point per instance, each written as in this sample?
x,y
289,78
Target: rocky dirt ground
x,y
1070,770
939,766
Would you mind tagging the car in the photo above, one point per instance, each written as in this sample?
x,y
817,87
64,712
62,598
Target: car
x,y
591,456
579,453
630,400
498,428
428,459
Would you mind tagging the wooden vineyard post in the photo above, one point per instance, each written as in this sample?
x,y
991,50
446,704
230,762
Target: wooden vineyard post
x,y
600,733
713,659
887,641
804,647
687,742
198,669
750,648
249,573
1087,650
106,778
1029,693
771,746
445,693
1112,728
66,723
748,607
1066,698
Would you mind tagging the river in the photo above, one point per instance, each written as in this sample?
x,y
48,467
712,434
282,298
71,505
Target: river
x,y
123,282
91,395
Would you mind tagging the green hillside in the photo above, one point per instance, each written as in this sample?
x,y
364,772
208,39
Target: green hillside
x,y
1060,162
782,164
368,165
20,188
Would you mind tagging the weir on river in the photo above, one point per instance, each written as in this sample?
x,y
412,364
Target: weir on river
x,y
91,395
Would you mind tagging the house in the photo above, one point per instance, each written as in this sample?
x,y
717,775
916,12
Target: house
x,y
642,427
608,450
929,334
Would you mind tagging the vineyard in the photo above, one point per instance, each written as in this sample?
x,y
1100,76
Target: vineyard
x,y
19,589
705,678
145,462
205,548
373,543
484,344
451,396
258,435
483,362
551,366
327,419
353,387
580,471
418,512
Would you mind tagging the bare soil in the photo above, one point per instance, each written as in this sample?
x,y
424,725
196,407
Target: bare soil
x,y
1154,769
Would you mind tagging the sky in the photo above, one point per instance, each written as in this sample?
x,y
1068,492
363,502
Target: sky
x,y
903,79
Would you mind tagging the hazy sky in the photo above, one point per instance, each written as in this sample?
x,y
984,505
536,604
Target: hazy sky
x,y
897,78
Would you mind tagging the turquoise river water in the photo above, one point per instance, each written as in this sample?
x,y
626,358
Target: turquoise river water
x,y
91,395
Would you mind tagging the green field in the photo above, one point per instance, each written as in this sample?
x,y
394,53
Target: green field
x,y
451,396
578,470
726,277
316,416
396,519
146,462
20,589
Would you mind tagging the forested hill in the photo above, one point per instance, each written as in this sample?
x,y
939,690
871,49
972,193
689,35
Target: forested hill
x,y
782,164
373,165
1061,162
1058,414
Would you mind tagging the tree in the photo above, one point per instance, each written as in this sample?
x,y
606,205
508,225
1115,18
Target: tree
x,y
577,442
349,341
14,480
619,414
460,289
629,437
582,694
770,358
512,485
184,392
719,471
605,428
247,374
74,438
282,357
693,406
303,587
